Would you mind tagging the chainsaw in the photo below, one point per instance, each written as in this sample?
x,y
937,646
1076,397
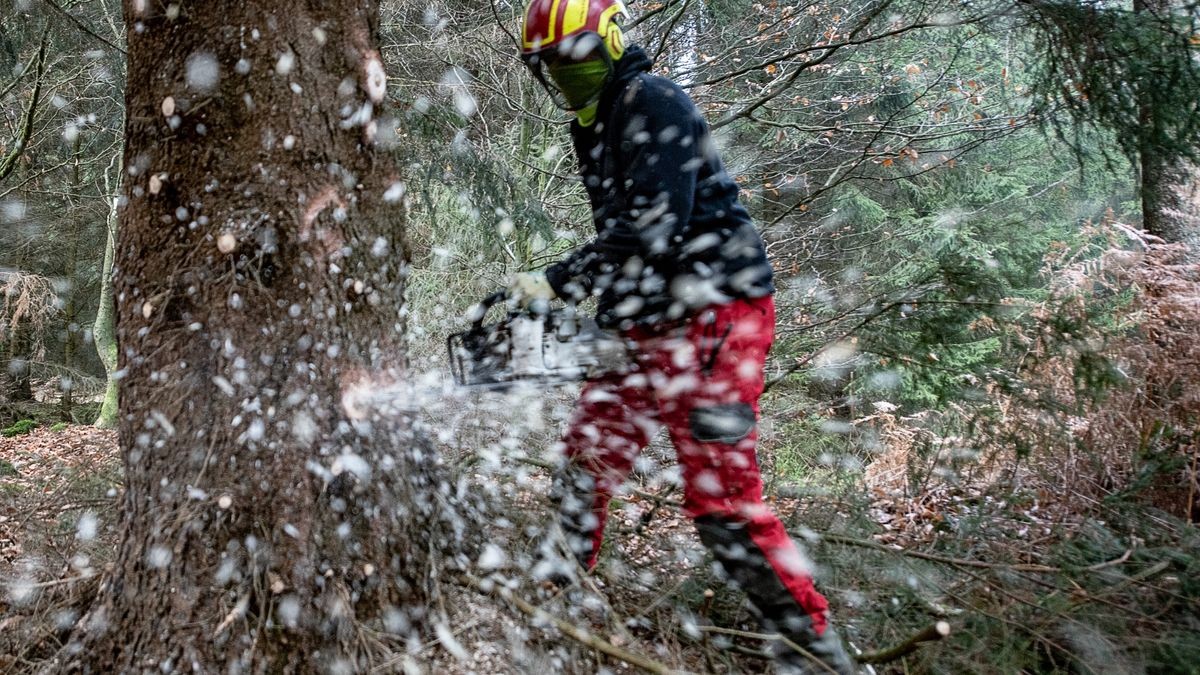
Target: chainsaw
x,y
554,347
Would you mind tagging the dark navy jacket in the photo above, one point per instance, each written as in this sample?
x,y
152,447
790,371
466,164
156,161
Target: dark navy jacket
x,y
671,236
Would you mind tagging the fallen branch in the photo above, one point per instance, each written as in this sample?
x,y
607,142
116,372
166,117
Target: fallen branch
x,y
931,633
572,631
966,562
49,584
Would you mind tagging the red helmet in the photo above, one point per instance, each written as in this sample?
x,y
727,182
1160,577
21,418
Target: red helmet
x,y
554,23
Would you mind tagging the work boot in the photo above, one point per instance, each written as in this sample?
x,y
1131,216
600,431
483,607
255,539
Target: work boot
x,y
573,493
823,654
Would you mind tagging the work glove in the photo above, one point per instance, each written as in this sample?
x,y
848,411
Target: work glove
x,y
528,289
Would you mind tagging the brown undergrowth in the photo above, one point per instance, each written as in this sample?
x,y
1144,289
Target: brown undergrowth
x,y
1057,524
1105,397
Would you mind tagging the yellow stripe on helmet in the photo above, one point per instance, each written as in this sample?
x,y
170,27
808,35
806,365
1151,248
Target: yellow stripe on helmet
x,y
575,17
554,35
614,40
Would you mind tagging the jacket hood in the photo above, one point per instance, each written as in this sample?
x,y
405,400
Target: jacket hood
x,y
634,61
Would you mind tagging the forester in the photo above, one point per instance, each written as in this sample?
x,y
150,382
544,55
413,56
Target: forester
x,y
679,269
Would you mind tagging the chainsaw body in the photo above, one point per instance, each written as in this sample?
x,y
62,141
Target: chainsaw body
x,y
557,347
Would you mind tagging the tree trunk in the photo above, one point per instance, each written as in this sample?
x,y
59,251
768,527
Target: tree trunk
x,y
1170,185
104,329
70,307
1171,200
17,386
260,265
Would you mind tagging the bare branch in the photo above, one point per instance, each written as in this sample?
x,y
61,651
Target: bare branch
x,y
7,164
80,26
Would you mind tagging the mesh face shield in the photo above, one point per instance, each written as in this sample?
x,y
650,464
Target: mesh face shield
x,y
573,72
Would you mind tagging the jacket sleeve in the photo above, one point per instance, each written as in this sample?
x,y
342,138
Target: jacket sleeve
x,y
658,162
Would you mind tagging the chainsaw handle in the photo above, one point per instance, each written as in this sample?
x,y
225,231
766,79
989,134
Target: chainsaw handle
x,y
482,307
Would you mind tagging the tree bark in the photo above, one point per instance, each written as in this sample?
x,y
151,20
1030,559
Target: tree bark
x,y
260,266
1171,200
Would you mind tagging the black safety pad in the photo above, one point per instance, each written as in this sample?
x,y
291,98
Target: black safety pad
x,y
725,423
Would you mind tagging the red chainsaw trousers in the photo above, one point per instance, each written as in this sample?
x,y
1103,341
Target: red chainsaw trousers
x,y
702,380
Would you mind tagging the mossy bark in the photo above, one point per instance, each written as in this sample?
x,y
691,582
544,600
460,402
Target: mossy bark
x,y
104,330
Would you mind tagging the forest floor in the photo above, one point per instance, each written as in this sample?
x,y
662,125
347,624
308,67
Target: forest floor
x,y
1030,580
47,478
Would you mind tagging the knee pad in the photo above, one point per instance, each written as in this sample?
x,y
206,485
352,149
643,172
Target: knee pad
x,y
724,423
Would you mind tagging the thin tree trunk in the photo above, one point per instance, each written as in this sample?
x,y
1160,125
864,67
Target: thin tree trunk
x,y
17,387
104,329
70,308
8,162
258,278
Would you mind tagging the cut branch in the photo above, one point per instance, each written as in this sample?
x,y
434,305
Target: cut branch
x,y
931,633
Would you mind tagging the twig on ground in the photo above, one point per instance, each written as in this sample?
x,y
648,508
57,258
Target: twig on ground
x,y
769,637
576,633
534,461
930,633
55,582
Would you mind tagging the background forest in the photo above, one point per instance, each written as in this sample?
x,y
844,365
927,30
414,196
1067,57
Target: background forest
x,y
984,400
